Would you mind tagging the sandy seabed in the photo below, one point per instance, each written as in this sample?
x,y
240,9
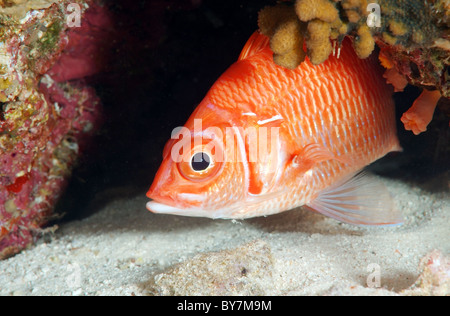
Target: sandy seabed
x,y
122,249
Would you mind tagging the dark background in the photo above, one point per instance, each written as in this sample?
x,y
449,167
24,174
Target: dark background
x,y
164,56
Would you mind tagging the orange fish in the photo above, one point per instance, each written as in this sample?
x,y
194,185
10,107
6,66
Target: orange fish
x,y
266,139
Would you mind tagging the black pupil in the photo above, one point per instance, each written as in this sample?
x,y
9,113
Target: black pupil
x,y
200,161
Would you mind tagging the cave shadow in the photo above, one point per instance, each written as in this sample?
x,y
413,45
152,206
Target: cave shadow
x,y
424,161
164,58
300,220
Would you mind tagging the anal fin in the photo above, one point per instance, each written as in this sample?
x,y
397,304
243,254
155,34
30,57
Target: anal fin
x,y
359,200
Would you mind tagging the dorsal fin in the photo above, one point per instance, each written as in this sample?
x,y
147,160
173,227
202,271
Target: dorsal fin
x,y
256,43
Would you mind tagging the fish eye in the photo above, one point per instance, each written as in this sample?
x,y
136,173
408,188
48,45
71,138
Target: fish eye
x,y
200,161
199,166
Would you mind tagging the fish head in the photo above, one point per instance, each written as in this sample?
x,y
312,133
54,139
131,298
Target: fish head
x,y
199,175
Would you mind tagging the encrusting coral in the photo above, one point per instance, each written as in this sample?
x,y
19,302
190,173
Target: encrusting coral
x,y
45,120
413,36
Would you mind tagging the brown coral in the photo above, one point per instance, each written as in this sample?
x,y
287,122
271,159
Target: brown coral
x,y
285,31
413,35
405,26
287,44
318,42
269,18
364,43
323,10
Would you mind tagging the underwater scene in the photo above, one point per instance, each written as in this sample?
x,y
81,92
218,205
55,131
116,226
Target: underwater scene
x,y
225,148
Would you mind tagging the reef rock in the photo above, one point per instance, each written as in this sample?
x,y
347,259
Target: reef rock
x,y
240,271
434,279
44,123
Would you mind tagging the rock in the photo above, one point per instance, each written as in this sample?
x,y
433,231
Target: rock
x,y
245,270
434,279
44,123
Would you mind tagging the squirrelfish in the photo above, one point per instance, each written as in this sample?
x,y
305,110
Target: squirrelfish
x,y
266,139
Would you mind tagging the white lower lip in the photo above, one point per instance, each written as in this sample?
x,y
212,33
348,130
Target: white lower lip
x,y
162,208
159,208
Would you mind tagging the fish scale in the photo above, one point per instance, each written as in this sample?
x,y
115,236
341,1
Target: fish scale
x,y
333,119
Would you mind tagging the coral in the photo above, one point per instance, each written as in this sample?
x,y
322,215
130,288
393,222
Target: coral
x,y
84,54
285,31
287,46
240,271
318,48
434,277
364,43
269,18
413,36
44,125
396,79
417,118
324,10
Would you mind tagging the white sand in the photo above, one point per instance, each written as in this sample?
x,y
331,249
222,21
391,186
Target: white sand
x,y
119,249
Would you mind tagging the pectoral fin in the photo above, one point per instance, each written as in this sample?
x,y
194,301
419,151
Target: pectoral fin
x,y
311,155
360,200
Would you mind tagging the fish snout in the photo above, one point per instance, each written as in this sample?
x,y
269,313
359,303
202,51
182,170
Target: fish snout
x,y
160,199
165,202
156,193
170,202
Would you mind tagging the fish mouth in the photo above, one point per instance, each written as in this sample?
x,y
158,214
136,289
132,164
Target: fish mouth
x,y
160,208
